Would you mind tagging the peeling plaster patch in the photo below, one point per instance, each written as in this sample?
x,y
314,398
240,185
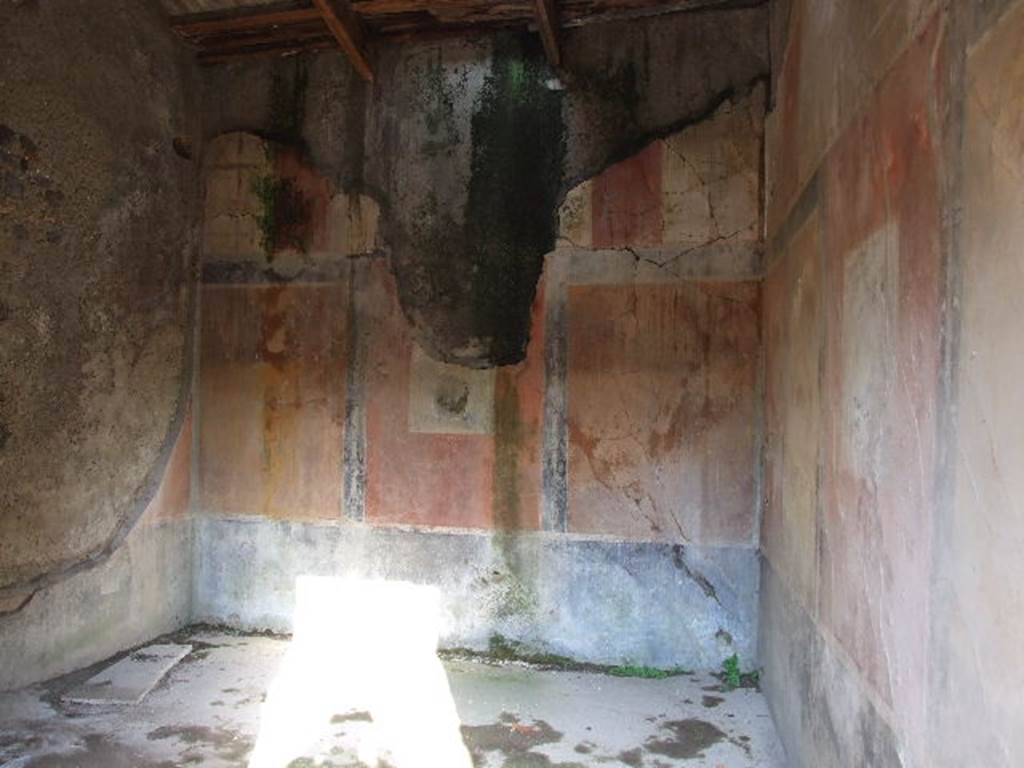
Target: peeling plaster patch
x,y
575,216
235,165
712,176
696,187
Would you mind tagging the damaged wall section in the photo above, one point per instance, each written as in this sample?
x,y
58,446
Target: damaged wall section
x,y
468,147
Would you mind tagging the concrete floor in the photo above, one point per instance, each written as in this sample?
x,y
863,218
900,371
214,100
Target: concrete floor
x,y
217,704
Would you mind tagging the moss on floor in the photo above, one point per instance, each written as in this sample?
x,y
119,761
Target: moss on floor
x,y
502,650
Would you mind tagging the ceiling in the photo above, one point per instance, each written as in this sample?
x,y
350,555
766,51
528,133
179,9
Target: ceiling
x,y
181,7
226,30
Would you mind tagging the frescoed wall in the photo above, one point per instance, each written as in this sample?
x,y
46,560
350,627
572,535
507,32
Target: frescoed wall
x,y
630,429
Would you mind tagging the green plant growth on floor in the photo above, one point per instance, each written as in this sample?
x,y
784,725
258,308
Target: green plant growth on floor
x,y
502,649
731,672
733,677
648,673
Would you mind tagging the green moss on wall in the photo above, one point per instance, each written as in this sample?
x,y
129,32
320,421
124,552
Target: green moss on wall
x,y
283,215
511,212
501,650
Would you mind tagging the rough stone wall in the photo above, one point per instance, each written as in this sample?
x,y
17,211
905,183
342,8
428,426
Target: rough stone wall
x,y
98,224
369,261
142,590
879,304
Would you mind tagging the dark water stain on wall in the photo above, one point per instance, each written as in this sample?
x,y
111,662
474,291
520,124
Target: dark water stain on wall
x,y
508,435
288,101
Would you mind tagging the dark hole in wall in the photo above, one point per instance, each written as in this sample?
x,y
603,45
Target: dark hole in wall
x,y
452,396
182,146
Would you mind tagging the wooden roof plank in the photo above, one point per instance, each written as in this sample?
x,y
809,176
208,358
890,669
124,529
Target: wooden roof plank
x,y
215,56
204,27
292,36
548,26
289,28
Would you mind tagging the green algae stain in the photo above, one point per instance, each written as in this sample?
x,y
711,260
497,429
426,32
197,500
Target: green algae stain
x,y
518,141
469,280
501,649
283,215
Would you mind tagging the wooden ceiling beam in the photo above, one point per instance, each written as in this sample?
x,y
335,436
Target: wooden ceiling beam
x,y
348,31
296,37
582,13
548,27
351,23
205,27
227,55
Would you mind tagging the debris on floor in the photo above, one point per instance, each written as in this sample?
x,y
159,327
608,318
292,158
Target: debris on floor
x,y
130,679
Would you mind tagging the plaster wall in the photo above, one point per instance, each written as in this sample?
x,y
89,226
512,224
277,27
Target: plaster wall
x,y
882,466
980,606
